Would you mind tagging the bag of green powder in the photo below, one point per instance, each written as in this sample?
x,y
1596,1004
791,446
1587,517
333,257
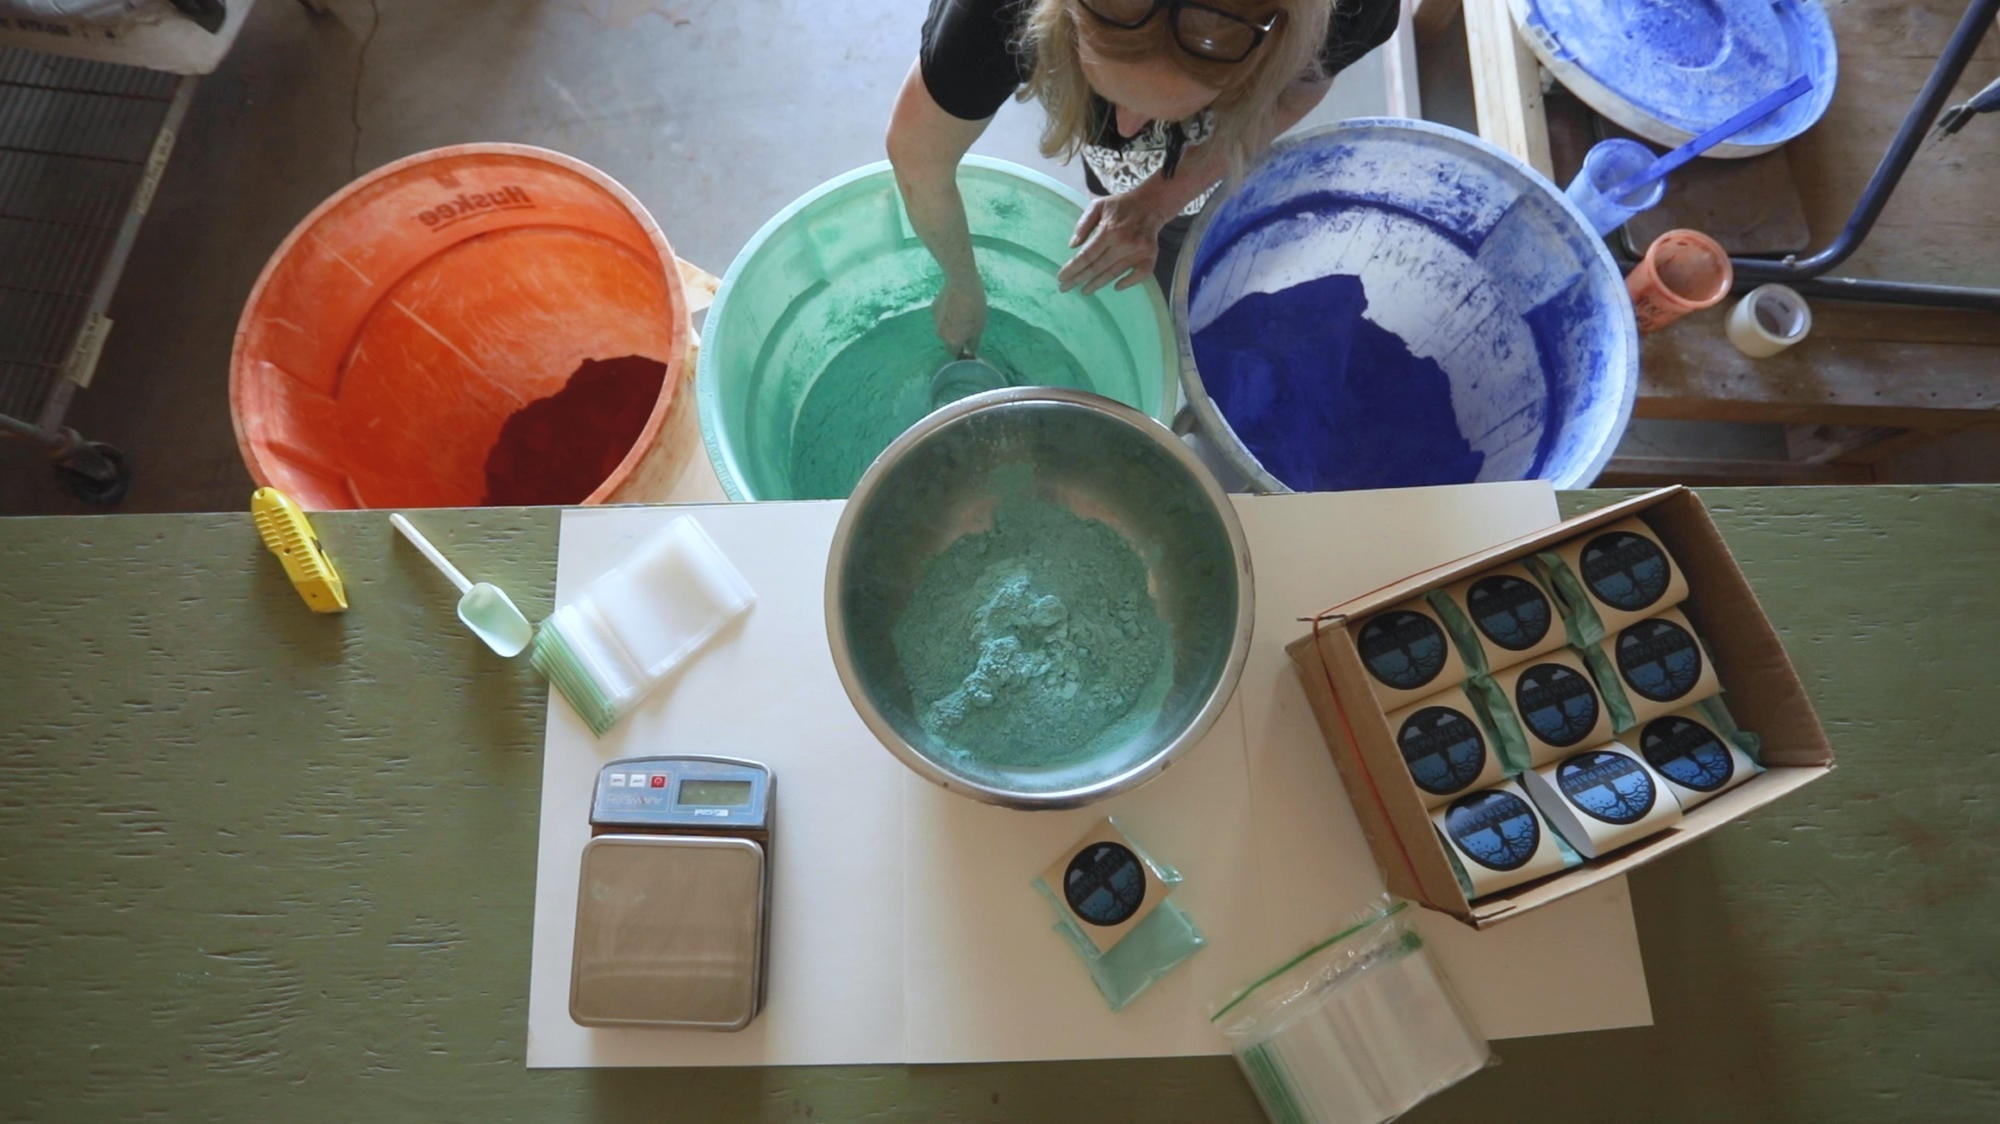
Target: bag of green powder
x,y
1109,897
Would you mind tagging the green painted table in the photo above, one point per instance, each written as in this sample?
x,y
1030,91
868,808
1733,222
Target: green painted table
x,y
258,864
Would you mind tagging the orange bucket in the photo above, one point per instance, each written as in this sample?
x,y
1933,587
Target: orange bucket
x,y
401,324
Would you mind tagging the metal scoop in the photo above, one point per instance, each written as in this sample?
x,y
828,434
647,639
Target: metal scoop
x,y
963,377
484,608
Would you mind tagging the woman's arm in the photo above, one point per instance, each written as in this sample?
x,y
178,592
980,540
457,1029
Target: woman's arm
x,y
1119,235
925,145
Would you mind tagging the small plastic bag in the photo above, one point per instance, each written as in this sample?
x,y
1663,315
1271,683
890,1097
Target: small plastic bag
x,y
1126,958
1356,1030
630,628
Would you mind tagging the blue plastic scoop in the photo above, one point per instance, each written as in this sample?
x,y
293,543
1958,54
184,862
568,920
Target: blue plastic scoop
x,y
1758,110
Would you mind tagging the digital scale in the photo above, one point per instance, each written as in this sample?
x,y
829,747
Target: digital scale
x,y
673,901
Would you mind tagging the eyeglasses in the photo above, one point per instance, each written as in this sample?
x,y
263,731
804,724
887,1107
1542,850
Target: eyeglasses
x,y
1202,31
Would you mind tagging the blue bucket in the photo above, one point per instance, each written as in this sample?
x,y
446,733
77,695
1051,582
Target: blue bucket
x,y
1390,303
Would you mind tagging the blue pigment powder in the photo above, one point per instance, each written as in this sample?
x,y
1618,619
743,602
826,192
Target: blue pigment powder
x,y
1024,644
1327,399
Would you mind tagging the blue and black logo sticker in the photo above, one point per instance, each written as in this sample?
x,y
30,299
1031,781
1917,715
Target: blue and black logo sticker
x,y
1556,703
1495,829
1687,753
1509,611
1659,659
1443,749
1607,786
1624,570
1403,649
1104,884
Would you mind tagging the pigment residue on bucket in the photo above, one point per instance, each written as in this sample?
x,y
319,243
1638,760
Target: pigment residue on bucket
x,y
880,384
1393,304
401,323
557,450
1669,70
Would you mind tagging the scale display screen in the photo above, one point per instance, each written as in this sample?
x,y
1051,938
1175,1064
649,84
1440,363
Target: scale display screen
x,y
702,794
714,794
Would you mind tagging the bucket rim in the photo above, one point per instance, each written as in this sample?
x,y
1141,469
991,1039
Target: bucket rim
x,y
679,318
708,393
1209,419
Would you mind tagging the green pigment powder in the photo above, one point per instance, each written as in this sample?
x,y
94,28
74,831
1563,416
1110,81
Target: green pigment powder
x,y
1024,644
880,385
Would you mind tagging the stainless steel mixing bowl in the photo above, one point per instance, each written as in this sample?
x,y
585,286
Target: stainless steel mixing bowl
x,y
1102,460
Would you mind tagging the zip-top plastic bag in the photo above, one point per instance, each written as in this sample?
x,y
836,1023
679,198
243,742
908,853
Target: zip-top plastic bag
x,y
1358,1029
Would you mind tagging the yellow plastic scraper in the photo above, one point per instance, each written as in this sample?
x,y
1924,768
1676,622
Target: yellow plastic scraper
x,y
285,530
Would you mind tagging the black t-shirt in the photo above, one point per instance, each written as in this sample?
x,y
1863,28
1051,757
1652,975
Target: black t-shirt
x,y
971,69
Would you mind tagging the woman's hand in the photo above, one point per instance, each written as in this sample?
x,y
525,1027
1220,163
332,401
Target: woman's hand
x,y
925,145
960,314
1119,238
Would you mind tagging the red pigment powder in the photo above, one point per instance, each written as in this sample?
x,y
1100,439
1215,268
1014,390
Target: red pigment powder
x,y
557,450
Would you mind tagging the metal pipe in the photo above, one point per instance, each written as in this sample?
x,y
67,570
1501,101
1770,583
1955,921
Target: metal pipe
x,y
1878,292
1979,15
19,430
1752,272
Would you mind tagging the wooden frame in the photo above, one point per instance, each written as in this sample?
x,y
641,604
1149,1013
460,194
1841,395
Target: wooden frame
x,y
1506,78
1399,64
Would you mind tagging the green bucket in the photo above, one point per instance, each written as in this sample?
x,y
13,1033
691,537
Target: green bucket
x,y
838,281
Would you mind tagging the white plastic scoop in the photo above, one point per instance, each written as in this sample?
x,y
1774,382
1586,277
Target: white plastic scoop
x,y
486,609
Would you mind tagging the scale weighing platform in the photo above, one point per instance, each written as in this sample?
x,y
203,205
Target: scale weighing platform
x,y
674,900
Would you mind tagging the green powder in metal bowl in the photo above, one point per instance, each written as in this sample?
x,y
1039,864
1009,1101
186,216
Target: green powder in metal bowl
x,y
1025,644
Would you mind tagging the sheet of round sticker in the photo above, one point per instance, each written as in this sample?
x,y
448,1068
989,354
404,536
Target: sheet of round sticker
x,y
1484,664
1408,654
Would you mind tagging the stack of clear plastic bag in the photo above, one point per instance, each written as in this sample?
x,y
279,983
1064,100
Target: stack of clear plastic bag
x,y
1358,1029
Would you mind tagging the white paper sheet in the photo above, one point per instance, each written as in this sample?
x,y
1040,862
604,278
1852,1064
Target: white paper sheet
x,y
905,928
766,691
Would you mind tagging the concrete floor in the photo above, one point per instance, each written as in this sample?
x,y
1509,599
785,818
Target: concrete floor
x,y
715,113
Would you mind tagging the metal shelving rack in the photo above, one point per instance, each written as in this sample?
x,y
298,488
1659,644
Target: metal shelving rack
x,y
82,148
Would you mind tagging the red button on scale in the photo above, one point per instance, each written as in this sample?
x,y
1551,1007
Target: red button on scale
x,y
657,781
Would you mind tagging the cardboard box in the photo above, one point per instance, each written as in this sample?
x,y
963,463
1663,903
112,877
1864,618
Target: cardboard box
x,y
1761,689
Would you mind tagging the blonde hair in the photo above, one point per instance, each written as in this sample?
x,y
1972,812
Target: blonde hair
x,y
1248,90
